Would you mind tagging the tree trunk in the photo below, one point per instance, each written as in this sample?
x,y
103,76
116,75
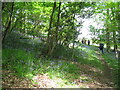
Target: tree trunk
x,y
55,39
108,40
58,22
25,31
73,50
49,44
118,20
9,24
73,38
114,40
50,23
3,5
0,39
114,31
107,34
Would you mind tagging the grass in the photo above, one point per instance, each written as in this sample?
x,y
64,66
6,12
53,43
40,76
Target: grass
x,y
24,64
17,60
89,57
113,63
23,57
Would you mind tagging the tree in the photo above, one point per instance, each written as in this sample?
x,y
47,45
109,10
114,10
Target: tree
x,y
9,22
55,34
49,36
108,14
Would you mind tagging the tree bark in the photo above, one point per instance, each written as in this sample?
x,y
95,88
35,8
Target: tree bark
x,y
114,40
107,34
118,20
3,5
9,24
50,23
58,22
55,41
49,31
73,38
114,31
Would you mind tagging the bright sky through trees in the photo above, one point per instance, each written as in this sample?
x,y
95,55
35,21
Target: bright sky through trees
x,y
85,29
87,22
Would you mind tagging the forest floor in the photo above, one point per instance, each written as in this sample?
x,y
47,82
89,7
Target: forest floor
x,y
86,75
105,77
100,79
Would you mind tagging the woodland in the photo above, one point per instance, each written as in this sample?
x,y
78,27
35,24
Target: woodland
x,y
41,47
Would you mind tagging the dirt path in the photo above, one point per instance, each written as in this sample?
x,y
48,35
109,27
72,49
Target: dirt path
x,y
101,78
107,76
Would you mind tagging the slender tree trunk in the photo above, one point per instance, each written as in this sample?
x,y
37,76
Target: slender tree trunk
x,y
58,22
3,5
114,31
22,22
50,23
9,24
73,50
0,27
55,39
25,31
118,20
108,40
108,34
73,39
114,40
49,43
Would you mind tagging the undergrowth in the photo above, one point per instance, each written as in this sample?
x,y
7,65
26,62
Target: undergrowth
x,y
25,64
24,57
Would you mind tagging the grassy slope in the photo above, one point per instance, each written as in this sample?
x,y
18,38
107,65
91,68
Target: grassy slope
x,y
21,57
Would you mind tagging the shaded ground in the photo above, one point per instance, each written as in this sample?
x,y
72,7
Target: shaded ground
x,y
88,76
99,79
12,81
105,78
